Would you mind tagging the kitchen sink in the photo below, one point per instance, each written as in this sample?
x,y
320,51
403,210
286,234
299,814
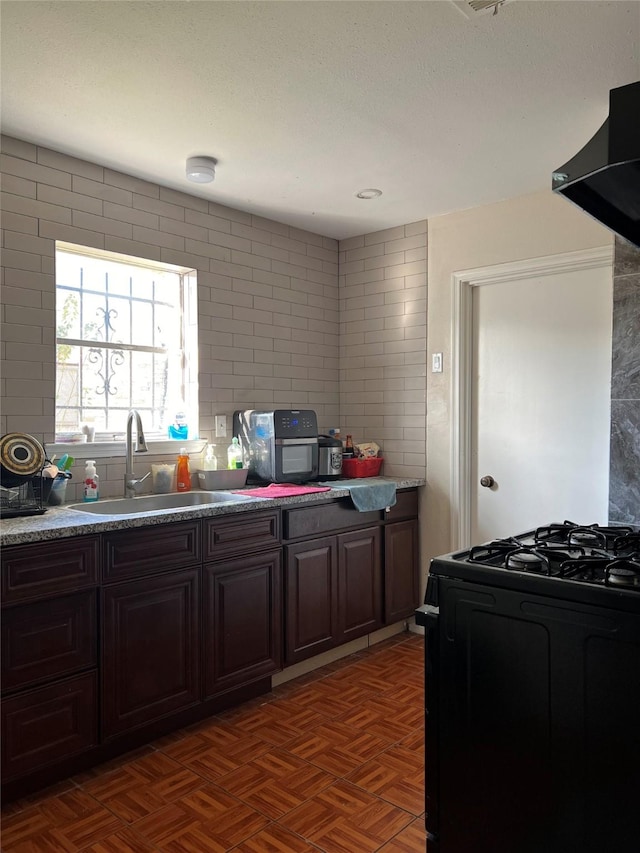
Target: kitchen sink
x,y
152,503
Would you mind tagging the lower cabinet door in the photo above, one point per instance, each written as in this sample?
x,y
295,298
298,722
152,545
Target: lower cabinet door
x,y
242,620
150,649
359,583
401,594
311,598
40,727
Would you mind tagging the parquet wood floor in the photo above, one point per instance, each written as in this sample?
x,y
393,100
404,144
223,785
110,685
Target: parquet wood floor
x,y
332,762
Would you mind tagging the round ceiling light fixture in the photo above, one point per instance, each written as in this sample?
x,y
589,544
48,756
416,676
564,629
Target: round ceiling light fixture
x,y
368,194
201,170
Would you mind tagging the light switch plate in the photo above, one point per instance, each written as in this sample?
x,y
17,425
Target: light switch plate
x,y
221,426
436,362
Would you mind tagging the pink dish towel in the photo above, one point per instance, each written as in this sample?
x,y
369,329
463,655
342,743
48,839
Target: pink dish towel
x,y
282,490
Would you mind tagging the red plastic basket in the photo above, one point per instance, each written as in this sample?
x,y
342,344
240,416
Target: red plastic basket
x,y
362,467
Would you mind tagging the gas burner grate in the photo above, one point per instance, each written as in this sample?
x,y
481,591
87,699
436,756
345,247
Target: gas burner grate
x,y
627,544
622,572
587,535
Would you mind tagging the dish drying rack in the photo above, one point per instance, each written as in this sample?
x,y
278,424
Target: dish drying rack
x,y
25,499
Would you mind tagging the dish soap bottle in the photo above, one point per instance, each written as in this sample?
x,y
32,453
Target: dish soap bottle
x,y
90,482
210,462
183,473
234,454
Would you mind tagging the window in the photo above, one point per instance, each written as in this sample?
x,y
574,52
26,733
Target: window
x,y
126,337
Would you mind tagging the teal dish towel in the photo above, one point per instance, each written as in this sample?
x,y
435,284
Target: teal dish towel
x,y
368,493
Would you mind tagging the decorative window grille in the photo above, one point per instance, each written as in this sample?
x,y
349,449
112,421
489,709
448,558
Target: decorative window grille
x,y
126,337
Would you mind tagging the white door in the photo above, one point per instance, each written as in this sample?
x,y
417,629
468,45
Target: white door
x,y
540,401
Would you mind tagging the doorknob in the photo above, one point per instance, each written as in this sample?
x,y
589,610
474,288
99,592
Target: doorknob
x,y
487,481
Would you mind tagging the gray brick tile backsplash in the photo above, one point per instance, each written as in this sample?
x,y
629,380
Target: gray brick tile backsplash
x,y
21,260
34,172
134,185
287,317
384,236
103,224
38,209
67,198
180,199
19,186
96,189
18,148
113,243
71,234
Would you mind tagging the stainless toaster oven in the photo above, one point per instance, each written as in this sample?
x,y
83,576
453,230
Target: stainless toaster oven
x,y
281,445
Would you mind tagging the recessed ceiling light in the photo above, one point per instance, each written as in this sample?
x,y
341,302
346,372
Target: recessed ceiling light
x,y
369,193
201,170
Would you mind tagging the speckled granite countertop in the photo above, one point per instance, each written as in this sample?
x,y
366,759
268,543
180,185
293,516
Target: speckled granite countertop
x,y
60,522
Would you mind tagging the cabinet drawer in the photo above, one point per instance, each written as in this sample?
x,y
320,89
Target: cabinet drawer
x,y
29,571
239,534
135,553
48,638
310,521
48,724
406,506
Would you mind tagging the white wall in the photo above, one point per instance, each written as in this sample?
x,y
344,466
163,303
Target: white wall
x,y
517,229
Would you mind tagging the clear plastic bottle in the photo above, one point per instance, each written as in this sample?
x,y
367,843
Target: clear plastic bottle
x,y
183,472
90,482
234,454
210,463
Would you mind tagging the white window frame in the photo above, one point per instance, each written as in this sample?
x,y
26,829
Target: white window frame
x,y
101,448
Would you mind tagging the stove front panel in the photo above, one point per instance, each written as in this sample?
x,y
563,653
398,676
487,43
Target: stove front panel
x,y
537,736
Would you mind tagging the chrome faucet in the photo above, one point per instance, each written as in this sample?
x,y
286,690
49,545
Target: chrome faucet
x,y
131,484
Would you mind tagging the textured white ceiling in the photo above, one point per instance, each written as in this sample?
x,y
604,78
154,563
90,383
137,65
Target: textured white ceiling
x,y
304,103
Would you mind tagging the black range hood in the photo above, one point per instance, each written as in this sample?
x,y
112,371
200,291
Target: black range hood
x,y
604,177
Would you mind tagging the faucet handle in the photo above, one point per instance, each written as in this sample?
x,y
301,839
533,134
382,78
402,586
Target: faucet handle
x,y
138,483
134,484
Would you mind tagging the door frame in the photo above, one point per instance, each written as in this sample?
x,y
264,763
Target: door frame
x,y
462,284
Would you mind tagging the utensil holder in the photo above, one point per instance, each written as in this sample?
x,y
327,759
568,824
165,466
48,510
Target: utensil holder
x,y
58,491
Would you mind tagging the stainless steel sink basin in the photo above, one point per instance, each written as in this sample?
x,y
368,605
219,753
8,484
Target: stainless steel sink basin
x,y
152,503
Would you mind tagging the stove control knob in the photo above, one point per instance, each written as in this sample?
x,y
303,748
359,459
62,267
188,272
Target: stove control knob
x,y
487,481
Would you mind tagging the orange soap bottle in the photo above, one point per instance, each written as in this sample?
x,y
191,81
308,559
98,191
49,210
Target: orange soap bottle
x,y
183,473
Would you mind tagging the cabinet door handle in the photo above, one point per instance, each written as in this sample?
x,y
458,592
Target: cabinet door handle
x,y
487,481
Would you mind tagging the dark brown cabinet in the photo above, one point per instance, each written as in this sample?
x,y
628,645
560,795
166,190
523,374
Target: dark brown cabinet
x,y
47,639
242,620
150,662
333,592
359,584
400,570
49,653
147,551
49,724
110,640
311,598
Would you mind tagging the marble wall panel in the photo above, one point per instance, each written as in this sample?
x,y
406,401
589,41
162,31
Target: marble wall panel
x,y
624,481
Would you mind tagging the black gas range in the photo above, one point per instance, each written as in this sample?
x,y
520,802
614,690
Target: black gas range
x,y
532,670
590,563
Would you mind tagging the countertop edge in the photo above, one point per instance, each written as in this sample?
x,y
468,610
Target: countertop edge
x,y
61,523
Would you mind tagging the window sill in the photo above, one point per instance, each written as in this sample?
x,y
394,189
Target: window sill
x,y
108,449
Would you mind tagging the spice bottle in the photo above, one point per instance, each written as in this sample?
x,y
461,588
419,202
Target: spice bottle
x,y
183,473
348,451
